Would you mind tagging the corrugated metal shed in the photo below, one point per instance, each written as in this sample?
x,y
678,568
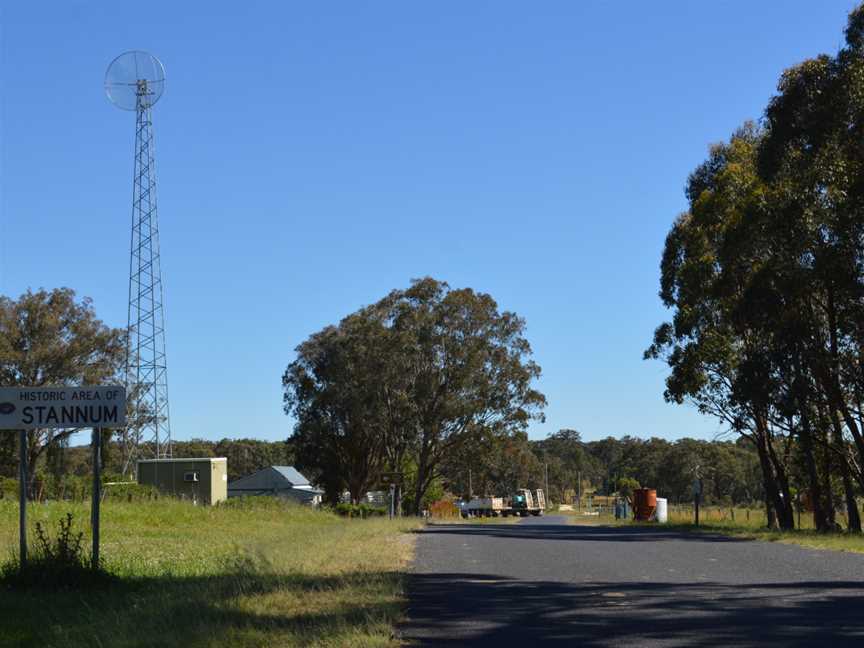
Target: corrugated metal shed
x,y
291,474
276,480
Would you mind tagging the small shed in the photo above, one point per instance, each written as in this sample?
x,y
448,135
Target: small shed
x,y
284,481
202,480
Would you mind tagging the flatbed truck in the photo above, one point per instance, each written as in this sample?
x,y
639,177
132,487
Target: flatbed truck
x,y
523,502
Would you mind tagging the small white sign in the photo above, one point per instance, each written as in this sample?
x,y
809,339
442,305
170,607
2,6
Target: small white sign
x,y
30,408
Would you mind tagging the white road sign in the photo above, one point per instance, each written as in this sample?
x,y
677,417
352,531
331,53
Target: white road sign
x,y
28,408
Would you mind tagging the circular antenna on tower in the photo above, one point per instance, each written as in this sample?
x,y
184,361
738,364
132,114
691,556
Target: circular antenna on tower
x,y
135,80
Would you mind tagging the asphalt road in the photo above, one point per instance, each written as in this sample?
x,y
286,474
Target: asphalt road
x,y
545,582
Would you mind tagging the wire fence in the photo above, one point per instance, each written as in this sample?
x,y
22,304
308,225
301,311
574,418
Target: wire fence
x,y
741,516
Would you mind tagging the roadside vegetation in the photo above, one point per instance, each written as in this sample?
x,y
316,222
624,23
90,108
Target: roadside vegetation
x,y
252,572
733,521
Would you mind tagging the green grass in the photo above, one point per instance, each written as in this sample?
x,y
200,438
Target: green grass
x,y
262,573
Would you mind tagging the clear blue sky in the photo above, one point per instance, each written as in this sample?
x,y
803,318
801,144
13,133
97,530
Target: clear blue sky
x,y
314,156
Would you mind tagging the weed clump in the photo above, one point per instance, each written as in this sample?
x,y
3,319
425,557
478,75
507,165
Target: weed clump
x,y
359,510
54,563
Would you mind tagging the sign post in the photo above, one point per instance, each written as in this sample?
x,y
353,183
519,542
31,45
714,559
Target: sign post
x,y
394,481
697,495
97,495
22,497
34,408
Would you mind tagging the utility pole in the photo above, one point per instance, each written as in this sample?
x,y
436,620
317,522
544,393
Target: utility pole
x,y
470,486
697,497
546,480
580,490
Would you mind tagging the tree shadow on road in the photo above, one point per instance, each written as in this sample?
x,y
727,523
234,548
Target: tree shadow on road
x,y
486,610
578,532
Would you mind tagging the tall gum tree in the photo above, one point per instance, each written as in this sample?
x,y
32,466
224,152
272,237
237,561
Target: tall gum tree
x,y
408,382
765,273
471,371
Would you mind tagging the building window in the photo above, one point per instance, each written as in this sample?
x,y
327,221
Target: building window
x,y
190,476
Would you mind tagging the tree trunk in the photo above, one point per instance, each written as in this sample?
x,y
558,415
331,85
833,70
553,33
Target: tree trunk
x,y
854,524
356,489
777,500
418,490
422,474
852,515
820,520
770,515
785,512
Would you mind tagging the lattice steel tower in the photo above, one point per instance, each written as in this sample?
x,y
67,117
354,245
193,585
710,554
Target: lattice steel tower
x,y
135,81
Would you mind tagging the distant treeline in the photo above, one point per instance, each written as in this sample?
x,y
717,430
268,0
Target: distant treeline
x,y
730,470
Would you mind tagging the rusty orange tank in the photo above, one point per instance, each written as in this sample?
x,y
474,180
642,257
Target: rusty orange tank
x,y
644,503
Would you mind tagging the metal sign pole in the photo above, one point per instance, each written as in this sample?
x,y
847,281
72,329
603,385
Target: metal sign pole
x,y
697,497
22,498
97,494
696,502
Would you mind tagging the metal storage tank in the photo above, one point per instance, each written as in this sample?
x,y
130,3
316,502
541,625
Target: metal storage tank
x,y
644,503
202,480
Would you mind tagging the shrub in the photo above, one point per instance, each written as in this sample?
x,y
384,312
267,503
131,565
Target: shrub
x,y
260,503
443,508
367,510
128,492
54,563
8,488
346,509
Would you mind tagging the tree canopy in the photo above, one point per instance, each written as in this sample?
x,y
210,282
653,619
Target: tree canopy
x,y
764,276
406,384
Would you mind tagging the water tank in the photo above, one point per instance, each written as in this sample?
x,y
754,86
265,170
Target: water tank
x,y
644,503
662,512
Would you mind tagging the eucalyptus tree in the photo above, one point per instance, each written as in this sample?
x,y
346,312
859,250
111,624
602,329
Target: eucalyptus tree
x,y
712,276
766,276
812,156
332,390
409,383
470,367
